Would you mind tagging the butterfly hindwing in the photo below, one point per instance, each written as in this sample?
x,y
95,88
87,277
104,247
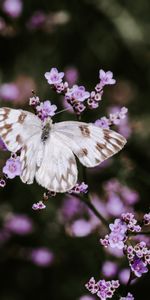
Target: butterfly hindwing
x,y
58,170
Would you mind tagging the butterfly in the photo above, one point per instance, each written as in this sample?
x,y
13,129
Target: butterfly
x,y
48,150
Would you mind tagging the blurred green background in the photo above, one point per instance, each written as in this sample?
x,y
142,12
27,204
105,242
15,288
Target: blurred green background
x,y
83,36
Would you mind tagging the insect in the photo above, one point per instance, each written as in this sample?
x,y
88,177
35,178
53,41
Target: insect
x,y
48,150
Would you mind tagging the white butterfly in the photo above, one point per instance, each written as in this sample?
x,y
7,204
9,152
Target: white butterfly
x,y
47,150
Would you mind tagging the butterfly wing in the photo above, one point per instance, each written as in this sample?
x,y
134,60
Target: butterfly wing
x,y
57,171
91,144
17,126
21,130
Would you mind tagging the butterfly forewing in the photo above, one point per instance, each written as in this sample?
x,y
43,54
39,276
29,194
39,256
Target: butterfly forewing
x,y
17,126
91,144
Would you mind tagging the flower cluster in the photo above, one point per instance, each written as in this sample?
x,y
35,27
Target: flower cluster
x,y
139,258
106,78
79,188
77,96
38,206
104,289
119,231
114,118
42,109
128,297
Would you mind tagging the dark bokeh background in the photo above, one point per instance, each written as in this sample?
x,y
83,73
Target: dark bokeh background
x,y
86,36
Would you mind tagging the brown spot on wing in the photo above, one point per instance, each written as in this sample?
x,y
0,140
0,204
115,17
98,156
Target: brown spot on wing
x,y
83,152
85,130
100,147
18,139
22,117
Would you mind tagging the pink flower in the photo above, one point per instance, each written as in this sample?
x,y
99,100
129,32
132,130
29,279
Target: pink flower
x,y
106,77
54,77
12,167
13,8
38,206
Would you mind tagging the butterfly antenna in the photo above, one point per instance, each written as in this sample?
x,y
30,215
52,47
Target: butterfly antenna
x,y
62,111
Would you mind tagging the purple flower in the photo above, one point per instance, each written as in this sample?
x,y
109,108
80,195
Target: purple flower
x,y
104,289
118,227
42,257
12,167
116,240
77,93
79,188
103,122
34,101
106,77
38,206
13,8
128,297
18,224
146,219
138,267
46,109
54,77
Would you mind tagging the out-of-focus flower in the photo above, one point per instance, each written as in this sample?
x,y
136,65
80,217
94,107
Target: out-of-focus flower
x,y
124,275
37,20
128,297
18,224
41,257
38,206
12,167
9,91
54,77
106,77
114,205
86,297
80,228
46,109
72,207
109,268
13,8
104,289
71,74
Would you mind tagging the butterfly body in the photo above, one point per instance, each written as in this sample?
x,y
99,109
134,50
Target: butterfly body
x,y
48,150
